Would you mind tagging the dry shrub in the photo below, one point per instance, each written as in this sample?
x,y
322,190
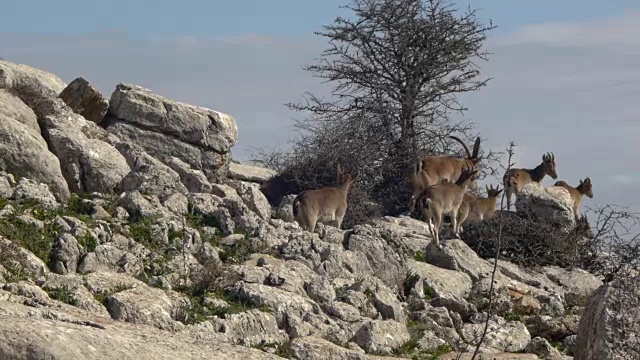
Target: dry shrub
x,y
532,241
214,277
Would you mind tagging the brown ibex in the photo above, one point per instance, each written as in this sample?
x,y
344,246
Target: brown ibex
x,y
431,170
444,198
324,204
476,208
515,179
584,188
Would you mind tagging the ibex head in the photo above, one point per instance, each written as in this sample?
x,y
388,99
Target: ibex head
x,y
586,187
549,162
493,192
344,179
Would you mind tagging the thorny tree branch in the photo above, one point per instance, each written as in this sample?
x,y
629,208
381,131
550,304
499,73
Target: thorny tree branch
x,y
396,67
510,152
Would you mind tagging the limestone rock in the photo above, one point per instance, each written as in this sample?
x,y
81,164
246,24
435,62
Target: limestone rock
x,y
85,100
31,333
553,203
250,173
24,151
381,336
198,136
610,326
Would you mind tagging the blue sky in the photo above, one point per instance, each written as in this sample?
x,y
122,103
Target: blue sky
x,y
275,18
566,74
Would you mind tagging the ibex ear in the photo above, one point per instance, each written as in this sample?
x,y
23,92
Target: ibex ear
x,y
587,180
545,157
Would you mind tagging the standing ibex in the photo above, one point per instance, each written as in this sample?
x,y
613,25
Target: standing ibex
x,y
431,170
515,179
584,188
444,198
475,208
324,204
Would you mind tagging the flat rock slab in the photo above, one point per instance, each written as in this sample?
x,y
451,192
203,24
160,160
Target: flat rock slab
x,y
31,333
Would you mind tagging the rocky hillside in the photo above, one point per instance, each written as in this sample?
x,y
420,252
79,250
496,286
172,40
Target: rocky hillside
x,y
127,232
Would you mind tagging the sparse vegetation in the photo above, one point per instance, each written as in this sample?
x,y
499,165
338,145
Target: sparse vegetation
x,y
142,231
62,293
88,242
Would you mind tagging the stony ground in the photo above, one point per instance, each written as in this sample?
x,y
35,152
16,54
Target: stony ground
x,y
171,251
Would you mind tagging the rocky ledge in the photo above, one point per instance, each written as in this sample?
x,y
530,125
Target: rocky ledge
x,y
127,232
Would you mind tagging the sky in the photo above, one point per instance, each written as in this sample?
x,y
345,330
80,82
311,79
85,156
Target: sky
x,y
565,74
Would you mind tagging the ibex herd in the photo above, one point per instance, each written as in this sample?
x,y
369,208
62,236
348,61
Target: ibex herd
x,y
439,187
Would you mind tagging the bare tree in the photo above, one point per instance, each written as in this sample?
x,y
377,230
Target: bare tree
x,y
396,67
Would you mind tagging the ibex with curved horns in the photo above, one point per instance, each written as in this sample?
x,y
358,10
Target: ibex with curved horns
x,y
515,179
431,170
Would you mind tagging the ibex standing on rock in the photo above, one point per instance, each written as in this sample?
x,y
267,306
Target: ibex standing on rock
x,y
475,208
431,170
515,179
324,204
584,188
444,198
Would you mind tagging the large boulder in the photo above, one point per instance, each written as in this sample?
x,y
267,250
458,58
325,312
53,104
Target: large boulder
x,y
34,333
198,136
553,203
23,151
85,100
89,164
610,325
36,88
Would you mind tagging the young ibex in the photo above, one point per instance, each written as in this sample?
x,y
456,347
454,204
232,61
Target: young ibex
x,y
324,204
584,188
431,170
515,179
475,208
444,198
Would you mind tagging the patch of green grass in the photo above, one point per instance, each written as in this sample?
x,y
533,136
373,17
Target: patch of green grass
x,y
283,350
419,256
237,253
199,221
198,312
369,294
141,231
514,317
88,242
30,236
172,234
102,297
79,208
13,273
408,347
40,241
429,293
63,294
